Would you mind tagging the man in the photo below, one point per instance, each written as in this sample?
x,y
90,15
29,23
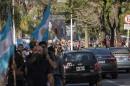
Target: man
x,y
44,45
17,64
39,70
57,71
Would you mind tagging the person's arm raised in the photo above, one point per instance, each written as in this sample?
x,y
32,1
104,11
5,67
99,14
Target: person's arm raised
x,y
51,62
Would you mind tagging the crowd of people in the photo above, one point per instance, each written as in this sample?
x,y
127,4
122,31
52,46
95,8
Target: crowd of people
x,y
38,66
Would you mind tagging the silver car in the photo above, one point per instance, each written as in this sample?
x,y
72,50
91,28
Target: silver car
x,y
106,60
123,57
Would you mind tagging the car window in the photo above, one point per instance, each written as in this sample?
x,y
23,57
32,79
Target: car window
x,y
79,56
102,52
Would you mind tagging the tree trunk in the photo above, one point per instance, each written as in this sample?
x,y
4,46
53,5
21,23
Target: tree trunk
x,y
112,37
86,38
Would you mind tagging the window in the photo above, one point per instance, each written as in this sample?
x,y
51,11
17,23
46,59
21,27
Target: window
x,y
78,56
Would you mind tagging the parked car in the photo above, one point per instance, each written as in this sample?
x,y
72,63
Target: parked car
x,y
106,60
123,57
81,67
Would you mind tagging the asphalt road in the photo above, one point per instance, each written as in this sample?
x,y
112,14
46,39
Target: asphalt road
x,y
122,80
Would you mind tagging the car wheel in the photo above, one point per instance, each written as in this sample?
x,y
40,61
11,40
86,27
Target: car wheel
x,y
103,75
97,84
114,75
94,84
91,84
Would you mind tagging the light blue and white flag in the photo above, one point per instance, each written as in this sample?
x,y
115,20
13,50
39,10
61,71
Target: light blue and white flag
x,y
41,32
6,47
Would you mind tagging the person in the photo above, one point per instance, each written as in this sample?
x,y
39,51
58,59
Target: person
x,y
16,64
49,58
57,71
39,70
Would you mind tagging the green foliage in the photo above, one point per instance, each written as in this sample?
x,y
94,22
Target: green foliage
x,y
5,8
126,7
23,14
99,15
79,3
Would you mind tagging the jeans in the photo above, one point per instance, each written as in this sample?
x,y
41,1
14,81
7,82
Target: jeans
x,y
58,81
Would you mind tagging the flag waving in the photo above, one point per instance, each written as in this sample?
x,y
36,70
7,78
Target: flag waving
x,y
6,47
41,32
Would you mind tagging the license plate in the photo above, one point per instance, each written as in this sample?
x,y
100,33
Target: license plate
x,y
101,62
80,68
122,59
118,60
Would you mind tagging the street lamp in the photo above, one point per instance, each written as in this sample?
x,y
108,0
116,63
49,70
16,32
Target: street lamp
x,y
71,23
71,32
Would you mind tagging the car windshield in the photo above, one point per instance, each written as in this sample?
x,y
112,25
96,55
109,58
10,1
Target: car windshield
x,y
78,56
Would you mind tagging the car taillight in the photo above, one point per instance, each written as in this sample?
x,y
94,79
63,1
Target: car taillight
x,y
112,59
97,67
129,57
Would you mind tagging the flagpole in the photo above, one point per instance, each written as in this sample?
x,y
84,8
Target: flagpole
x,y
14,37
14,43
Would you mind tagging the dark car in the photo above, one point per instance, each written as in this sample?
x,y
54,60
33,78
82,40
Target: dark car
x,y
106,60
123,57
81,67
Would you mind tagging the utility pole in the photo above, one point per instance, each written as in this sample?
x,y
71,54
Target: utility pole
x,y
71,20
71,5
71,32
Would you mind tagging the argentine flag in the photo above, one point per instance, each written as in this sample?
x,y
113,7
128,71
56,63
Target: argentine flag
x,y
6,47
41,32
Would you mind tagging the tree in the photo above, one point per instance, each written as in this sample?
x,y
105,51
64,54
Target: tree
x,y
94,16
27,13
99,16
110,18
87,20
5,7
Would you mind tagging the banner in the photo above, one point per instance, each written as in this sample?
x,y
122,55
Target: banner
x,y
41,32
6,47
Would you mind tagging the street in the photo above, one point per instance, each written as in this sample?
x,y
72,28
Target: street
x,y
122,80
